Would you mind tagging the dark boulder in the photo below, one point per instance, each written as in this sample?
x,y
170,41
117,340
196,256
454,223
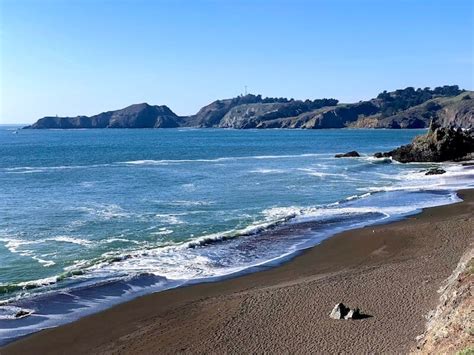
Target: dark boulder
x,y
435,171
22,313
352,154
382,155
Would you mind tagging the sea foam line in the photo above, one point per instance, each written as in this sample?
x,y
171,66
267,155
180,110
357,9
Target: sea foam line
x,y
220,159
39,169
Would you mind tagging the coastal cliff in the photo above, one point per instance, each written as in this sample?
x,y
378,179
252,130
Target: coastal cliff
x,y
404,108
437,145
134,116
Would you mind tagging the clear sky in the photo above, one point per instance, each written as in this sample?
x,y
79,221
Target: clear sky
x,y
71,57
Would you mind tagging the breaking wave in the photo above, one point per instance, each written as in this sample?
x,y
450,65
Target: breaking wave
x,y
218,160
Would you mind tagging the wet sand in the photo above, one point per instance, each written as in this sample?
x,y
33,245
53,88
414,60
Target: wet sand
x,y
391,272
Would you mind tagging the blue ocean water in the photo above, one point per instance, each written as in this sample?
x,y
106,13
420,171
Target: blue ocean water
x,y
90,218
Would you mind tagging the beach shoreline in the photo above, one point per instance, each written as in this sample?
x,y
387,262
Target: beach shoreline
x,y
391,271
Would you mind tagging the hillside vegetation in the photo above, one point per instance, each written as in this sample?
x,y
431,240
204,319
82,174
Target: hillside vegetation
x,y
404,108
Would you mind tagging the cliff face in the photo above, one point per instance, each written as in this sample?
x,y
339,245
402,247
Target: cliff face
x,y
405,108
250,111
328,117
456,111
212,114
450,327
254,115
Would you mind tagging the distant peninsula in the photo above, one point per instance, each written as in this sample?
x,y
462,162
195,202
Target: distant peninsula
x,y
405,108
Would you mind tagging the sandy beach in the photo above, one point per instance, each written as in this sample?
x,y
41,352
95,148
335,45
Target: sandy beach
x,y
391,272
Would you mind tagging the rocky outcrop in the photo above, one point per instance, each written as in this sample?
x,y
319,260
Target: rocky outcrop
x,y
437,145
23,313
134,116
382,155
352,154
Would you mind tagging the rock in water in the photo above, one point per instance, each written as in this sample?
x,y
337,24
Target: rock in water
x,y
382,155
339,311
435,171
22,313
352,154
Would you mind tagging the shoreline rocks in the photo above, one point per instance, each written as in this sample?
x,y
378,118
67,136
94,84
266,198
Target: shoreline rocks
x,y
437,145
435,171
351,154
382,155
22,314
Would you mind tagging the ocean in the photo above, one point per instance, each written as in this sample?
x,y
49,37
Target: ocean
x,y
92,218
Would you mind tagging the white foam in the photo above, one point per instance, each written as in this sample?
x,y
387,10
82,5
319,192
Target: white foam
x,y
268,171
321,174
171,218
456,177
105,211
187,203
42,169
217,160
45,263
355,197
374,160
68,239
144,162
119,239
351,198
278,213
39,282
13,244
28,171
163,231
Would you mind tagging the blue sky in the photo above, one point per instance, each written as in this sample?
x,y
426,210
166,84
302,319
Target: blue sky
x,y
71,57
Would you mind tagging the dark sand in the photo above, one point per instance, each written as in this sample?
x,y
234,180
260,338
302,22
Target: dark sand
x,y
392,272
